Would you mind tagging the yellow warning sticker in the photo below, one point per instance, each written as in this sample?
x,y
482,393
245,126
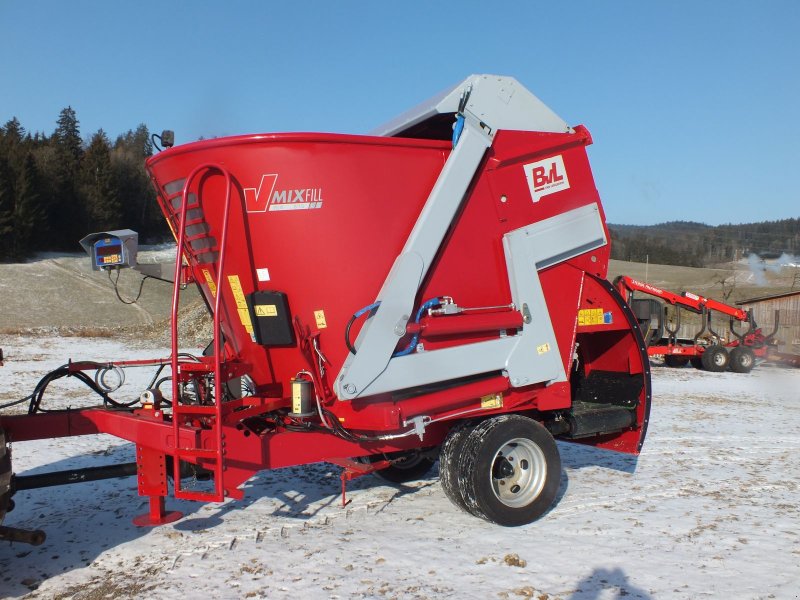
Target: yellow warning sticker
x,y
591,316
244,317
543,348
319,316
241,303
236,288
212,287
266,310
492,401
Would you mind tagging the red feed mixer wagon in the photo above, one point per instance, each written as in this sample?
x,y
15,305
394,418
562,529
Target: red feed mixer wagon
x,y
434,290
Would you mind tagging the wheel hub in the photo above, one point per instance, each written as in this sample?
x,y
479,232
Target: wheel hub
x,y
519,472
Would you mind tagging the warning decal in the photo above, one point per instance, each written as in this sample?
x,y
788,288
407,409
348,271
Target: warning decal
x,y
594,316
266,310
241,303
492,401
212,287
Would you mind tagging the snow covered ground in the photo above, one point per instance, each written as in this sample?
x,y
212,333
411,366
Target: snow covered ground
x,y
709,510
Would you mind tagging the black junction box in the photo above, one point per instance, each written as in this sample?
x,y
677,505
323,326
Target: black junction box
x,y
272,322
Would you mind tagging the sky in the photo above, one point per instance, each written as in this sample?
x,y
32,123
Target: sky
x,y
692,105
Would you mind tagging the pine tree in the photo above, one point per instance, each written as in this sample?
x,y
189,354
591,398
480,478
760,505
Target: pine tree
x,y
98,186
68,207
6,210
67,136
136,193
13,136
29,213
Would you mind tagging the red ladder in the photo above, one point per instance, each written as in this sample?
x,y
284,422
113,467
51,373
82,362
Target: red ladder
x,y
203,249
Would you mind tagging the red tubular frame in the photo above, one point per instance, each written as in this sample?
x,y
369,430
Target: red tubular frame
x,y
219,488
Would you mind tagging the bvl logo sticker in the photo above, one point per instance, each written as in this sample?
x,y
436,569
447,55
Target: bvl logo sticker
x,y
546,177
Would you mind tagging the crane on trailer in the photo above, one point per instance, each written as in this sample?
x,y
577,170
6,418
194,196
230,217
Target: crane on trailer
x,y
475,329
661,334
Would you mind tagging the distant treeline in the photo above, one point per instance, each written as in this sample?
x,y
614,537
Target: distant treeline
x,y
55,189
698,245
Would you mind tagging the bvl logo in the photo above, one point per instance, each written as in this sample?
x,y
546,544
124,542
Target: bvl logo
x,y
546,177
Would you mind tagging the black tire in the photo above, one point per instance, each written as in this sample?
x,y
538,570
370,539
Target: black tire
x,y
675,361
449,461
509,470
742,359
5,476
697,362
408,466
715,358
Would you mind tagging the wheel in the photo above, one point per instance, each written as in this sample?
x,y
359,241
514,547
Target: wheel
x,y
509,470
742,359
407,466
449,457
715,358
675,361
697,362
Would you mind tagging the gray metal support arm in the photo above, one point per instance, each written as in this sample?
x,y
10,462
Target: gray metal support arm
x,y
381,332
527,358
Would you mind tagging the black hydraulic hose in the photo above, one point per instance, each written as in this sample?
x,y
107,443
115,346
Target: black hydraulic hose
x,y
64,371
352,320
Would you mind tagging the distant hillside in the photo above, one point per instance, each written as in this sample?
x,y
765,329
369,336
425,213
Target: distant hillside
x,y
694,244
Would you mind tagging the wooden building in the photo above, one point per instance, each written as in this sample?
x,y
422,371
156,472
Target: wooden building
x,y
788,304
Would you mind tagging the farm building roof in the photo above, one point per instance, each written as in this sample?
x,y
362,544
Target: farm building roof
x,y
771,297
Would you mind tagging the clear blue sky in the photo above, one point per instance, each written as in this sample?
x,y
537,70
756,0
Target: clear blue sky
x,y
692,105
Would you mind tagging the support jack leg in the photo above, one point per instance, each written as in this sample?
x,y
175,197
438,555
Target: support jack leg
x,y
158,514
152,476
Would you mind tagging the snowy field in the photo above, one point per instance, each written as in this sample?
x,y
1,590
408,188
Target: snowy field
x,y
709,510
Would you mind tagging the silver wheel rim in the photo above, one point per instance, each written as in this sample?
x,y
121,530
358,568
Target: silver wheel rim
x,y
518,472
745,359
719,359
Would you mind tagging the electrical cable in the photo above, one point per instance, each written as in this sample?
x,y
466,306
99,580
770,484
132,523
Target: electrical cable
x,y
15,402
153,141
115,283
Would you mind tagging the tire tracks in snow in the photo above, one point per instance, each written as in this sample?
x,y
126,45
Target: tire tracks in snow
x,y
283,530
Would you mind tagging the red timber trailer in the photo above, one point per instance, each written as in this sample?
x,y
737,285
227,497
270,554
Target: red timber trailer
x,y
435,290
707,349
